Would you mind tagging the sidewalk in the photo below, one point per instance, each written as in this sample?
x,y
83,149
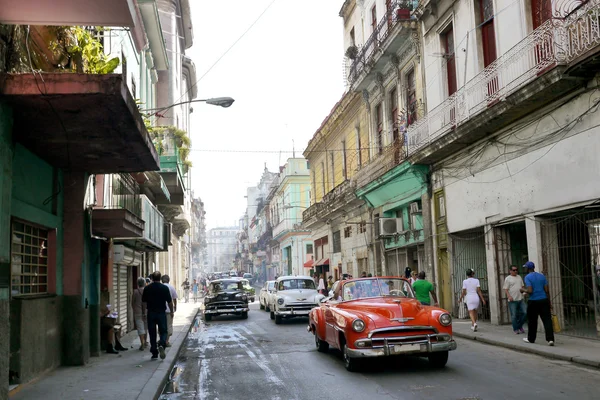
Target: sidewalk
x,y
129,375
567,348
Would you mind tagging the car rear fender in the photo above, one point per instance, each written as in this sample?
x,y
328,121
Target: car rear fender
x,y
317,322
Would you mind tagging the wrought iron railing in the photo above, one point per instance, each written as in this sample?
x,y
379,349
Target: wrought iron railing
x,y
399,11
574,31
122,192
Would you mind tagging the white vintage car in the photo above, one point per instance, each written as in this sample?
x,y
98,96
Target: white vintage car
x,y
294,296
266,294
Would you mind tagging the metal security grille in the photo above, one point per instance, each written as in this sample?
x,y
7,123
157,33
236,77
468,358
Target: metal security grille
x,y
29,259
510,242
569,242
468,252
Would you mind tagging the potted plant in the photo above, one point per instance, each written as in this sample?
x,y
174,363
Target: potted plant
x,y
352,52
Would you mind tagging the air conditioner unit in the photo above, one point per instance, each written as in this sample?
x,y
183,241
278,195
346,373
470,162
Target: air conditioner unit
x,y
414,208
389,226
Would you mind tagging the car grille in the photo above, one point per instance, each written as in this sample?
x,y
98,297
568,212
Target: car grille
x,y
225,305
403,334
298,306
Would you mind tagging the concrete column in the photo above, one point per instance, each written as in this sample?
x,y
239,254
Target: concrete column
x,y
492,272
76,345
428,263
6,157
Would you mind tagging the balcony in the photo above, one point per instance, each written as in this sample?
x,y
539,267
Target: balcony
x,y
388,37
556,58
181,223
118,212
154,236
82,122
389,157
406,238
333,205
172,167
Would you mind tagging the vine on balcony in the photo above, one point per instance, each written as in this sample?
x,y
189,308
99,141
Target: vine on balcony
x,y
182,141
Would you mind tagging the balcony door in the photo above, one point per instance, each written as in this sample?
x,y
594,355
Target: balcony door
x,y
448,43
488,42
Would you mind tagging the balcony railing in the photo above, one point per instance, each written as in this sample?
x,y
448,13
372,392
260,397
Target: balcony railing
x,y
154,228
573,32
389,156
122,193
399,11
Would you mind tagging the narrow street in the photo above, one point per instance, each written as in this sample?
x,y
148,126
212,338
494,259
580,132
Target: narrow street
x,y
230,358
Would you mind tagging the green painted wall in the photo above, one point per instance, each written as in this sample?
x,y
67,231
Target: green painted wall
x,y
33,196
6,168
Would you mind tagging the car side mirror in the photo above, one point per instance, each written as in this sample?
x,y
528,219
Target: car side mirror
x,y
324,299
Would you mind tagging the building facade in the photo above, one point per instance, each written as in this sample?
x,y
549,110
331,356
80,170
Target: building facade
x,y
222,248
510,140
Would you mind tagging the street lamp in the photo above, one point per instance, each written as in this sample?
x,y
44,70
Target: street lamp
x,y
215,101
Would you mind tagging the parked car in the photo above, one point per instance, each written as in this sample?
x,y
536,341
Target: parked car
x,y
249,289
248,276
264,297
226,296
294,296
380,317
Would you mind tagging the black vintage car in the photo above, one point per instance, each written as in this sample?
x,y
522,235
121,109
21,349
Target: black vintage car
x,y
226,296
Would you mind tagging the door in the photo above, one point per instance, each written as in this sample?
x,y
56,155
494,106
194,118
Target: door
x,y
448,42
488,42
544,51
445,283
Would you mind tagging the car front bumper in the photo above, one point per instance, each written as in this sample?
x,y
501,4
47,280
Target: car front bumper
x,y
291,312
433,344
228,309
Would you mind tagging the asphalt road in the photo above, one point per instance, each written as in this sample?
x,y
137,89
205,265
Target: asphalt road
x,y
230,359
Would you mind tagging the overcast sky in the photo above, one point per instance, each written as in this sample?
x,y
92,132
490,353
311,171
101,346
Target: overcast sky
x,y
285,75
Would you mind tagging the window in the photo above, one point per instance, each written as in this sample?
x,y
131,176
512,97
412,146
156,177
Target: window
x,y
542,11
411,97
309,249
29,259
331,157
344,167
373,18
362,227
358,147
323,177
379,127
337,242
347,232
352,37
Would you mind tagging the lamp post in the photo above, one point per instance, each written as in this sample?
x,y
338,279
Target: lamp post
x,y
214,101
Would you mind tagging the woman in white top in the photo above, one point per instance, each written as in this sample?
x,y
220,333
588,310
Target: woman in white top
x,y
472,291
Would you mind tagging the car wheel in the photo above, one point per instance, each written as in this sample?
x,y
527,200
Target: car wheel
x,y
267,308
207,317
272,314
351,364
322,345
278,319
262,306
245,315
438,359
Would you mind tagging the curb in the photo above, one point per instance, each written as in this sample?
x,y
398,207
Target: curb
x,y
529,350
163,372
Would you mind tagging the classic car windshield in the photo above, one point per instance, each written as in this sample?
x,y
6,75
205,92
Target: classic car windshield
x,y
245,282
377,287
227,286
271,286
290,284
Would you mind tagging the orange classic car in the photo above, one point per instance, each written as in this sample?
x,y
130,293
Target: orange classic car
x,y
380,317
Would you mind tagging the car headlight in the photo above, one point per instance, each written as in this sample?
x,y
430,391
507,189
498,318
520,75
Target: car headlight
x,y
280,301
445,319
358,325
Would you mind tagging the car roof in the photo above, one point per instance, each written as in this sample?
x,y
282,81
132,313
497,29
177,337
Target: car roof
x,y
283,278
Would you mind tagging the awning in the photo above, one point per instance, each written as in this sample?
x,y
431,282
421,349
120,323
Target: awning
x,y
309,264
322,261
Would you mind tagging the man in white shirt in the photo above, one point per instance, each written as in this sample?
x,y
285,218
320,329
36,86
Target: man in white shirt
x,y
165,280
518,310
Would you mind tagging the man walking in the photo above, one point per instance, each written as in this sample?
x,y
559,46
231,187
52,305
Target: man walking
x,y
538,305
186,289
422,290
156,295
171,309
518,311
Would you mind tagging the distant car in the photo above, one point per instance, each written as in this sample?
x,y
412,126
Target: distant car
x,y
233,273
266,292
380,317
226,296
294,296
248,276
250,291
